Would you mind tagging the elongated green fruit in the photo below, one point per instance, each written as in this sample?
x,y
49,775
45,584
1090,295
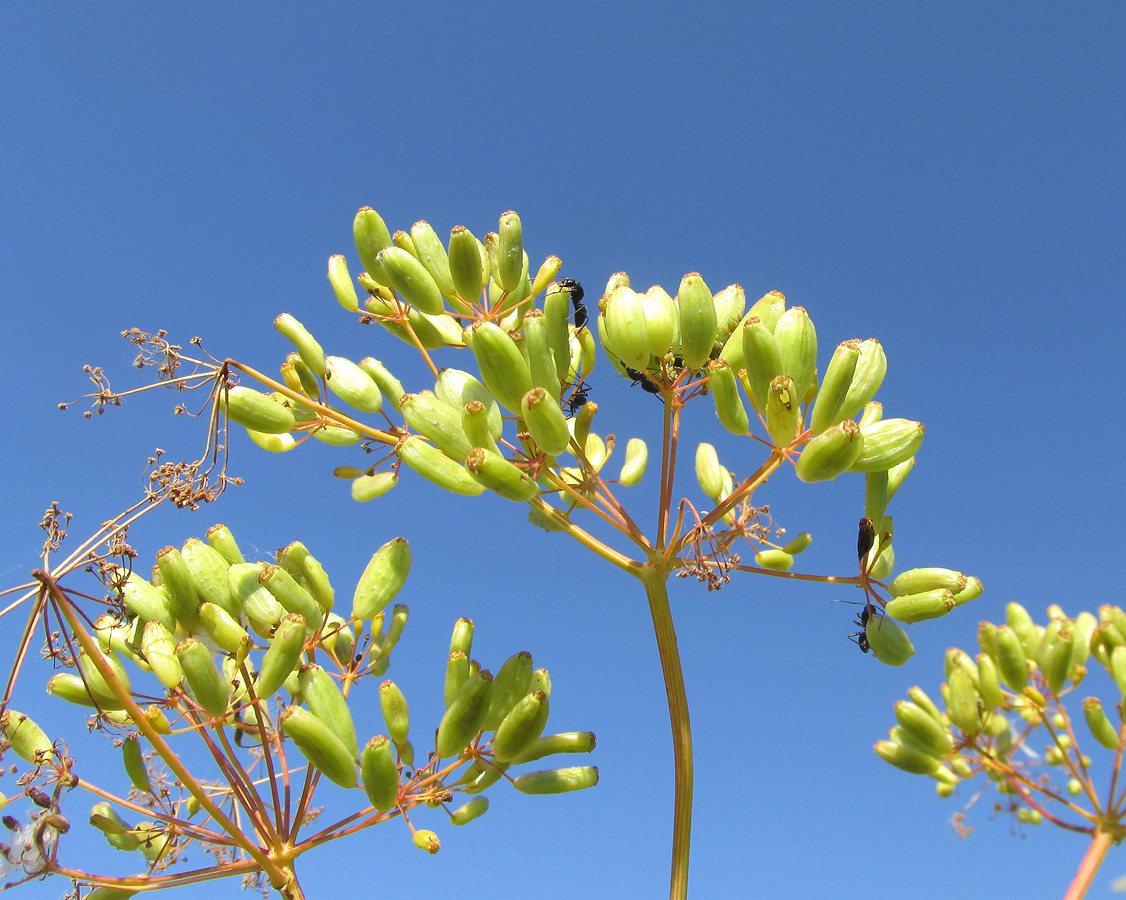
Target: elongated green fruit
x,y
774,560
709,473
259,604
118,832
325,701
382,579
411,281
353,385
920,699
888,641
1056,663
466,269
309,572
501,476
524,723
797,348
782,411
147,601
432,255
871,366
108,893
223,542
490,775
475,424
466,813
989,683
457,673
223,628
898,474
729,306
371,236
556,311
73,689
380,773
799,544
762,360
512,682
462,720
389,386
457,388
291,595
183,599
971,591
728,407
557,781
873,413
311,353
550,744
912,608
159,648
963,703
433,465
281,656
395,711
438,421
257,411
923,729
1008,653
541,360
207,685
545,421
914,581
209,574
831,453
914,761
636,461
1018,619
319,745
510,251
135,764
96,680
662,321
1101,728
368,487
697,320
767,310
342,285
504,370
623,329
834,387
888,443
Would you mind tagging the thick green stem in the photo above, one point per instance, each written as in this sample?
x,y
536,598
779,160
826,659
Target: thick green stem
x,y
657,592
1092,860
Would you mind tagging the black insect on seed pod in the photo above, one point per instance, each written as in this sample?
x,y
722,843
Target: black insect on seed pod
x,y
576,291
641,378
860,638
866,538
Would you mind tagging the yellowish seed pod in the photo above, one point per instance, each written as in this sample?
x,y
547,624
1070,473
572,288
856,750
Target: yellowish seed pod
x,y
503,368
888,641
382,579
257,411
433,465
636,461
914,761
797,348
783,413
834,387
774,560
913,608
411,281
342,285
557,781
697,320
426,840
368,487
438,421
831,453
510,251
207,685
281,656
371,235
159,648
623,327
311,353
501,476
548,745
545,421
524,723
709,473
318,744
327,703
728,407
871,366
888,443
353,385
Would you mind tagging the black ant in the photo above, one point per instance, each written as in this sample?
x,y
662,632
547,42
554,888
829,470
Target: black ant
x,y
641,378
860,638
578,399
576,291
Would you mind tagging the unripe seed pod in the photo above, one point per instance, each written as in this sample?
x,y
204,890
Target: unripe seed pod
x,y
958,658
438,421
380,773
325,701
662,322
548,745
371,236
257,411
292,595
831,453
986,637
988,683
709,473
353,385
556,312
729,305
1102,729
797,348
147,601
297,377
426,840
762,361
207,685
510,251
319,745
897,474
914,608
466,813
311,353
155,716
545,421
273,443
389,386
222,628
108,893
521,727
395,711
410,279
457,388
135,764
73,689
546,273
541,681
183,599
305,567
462,720
783,415
1056,664
623,328
834,387
866,378
501,476
1018,619
728,407
94,678
915,581
467,269
504,370
888,443
963,703
341,282
873,413
209,575
457,673
512,682
1118,668
875,497
118,832
1111,613
368,487
557,781
888,641
1083,627
383,578
923,729
432,255
462,637
637,458
281,656
913,761
767,310
775,560
433,465
541,360
221,540
251,598
697,320
159,647
920,699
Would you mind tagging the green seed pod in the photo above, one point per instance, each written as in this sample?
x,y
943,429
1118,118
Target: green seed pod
x,y
411,281
463,718
915,581
873,413
466,813
799,544
919,698
797,348
1056,664
291,595
988,683
257,411
500,476
548,745
914,608
399,616
662,321
380,773
433,257
867,377
457,673
426,840
466,266
888,443
489,774
897,474
371,236
297,377
108,893
556,311
339,639
325,701
273,443
956,658
729,305
557,781
395,711
155,716
783,416
709,473
510,251
258,603
986,637
368,487
383,578
438,421
971,591
319,745
521,727
313,575
541,681
888,641
546,273
762,360
342,285
623,329
541,359
462,637
311,353
149,602
503,368
457,388
135,764
924,731
875,497
388,385
281,656
963,704
222,542
73,689
728,407
159,647
353,385
94,678
209,574
1102,729
831,453
223,628
1083,627
118,832
774,560
1118,668
207,685
1018,619
475,425
834,387
512,682
697,320
636,461
545,421
766,310
1114,614
433,465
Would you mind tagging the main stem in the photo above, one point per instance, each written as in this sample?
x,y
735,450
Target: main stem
x,y
657,592
1092,860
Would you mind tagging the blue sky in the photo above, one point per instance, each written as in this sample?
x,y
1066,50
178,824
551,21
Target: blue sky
x,y
947,179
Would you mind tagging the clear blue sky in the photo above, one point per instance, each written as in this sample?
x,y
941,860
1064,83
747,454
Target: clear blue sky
x,y
947,178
